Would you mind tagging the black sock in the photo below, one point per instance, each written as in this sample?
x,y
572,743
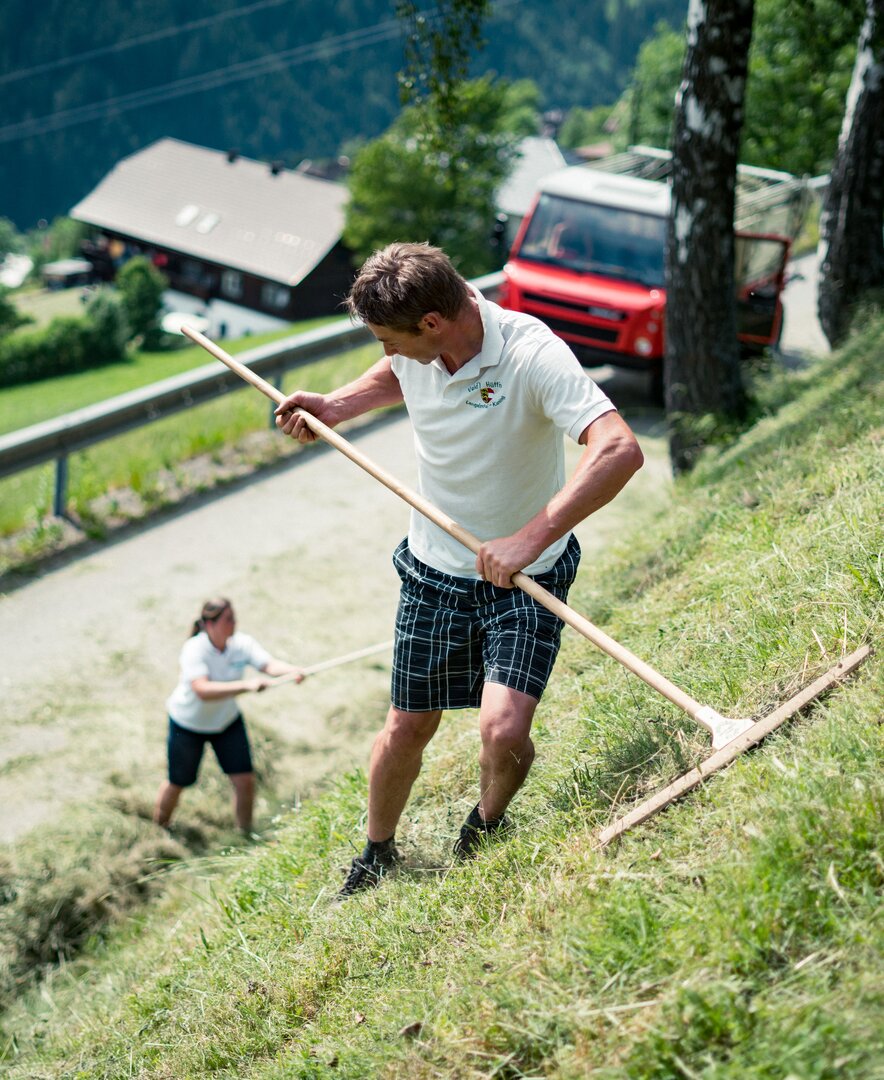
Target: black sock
x,y
375,848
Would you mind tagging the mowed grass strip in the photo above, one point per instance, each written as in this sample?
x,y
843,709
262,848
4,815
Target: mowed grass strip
x,y
737,935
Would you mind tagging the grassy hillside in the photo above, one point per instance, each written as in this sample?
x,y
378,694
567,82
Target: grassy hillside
x,y
735,936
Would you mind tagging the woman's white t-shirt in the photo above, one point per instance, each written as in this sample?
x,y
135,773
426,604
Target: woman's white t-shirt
x,y
199,658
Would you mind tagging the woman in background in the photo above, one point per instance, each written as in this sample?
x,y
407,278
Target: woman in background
x,y
202,708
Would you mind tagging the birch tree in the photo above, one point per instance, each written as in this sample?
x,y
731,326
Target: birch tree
x,y
701,365
851,241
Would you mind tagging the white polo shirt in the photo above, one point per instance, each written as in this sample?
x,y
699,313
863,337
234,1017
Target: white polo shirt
x,y
488,439
199,657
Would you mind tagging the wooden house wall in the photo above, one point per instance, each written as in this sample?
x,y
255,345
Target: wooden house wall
x,y
318,294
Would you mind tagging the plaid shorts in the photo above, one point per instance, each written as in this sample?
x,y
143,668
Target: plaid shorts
x,y
454,634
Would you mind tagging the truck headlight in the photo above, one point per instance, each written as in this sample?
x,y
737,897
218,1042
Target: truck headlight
x,y
643,347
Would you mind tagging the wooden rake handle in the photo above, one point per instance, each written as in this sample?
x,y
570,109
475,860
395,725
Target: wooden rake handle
x,y
325,665
573,619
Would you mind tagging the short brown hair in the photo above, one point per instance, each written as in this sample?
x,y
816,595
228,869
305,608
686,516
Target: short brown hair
x,y
396,287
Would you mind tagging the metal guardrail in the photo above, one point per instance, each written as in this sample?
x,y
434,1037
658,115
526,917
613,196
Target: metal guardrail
x,y
58,438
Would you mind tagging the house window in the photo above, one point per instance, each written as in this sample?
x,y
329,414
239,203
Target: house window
x,y
231,284
207,223
187,215
192,271
275,296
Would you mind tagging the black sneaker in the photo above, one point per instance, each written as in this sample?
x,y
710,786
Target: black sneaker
x,y
475,832
368,871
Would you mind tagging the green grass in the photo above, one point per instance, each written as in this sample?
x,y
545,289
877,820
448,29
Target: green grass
x,y
21,406
143,460
43,305
735,937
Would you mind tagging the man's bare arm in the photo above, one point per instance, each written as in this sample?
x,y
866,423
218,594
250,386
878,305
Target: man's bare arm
x,y
374,389
610,457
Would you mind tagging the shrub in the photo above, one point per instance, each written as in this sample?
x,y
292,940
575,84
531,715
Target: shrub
x,y
59,240
68,344
141,287
110,327
10,317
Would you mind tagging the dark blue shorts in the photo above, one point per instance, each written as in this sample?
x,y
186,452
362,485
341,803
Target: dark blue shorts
x,y
454,634
231,748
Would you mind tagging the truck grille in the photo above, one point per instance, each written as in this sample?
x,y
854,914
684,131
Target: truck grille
x,y
611,314
581,330
539,305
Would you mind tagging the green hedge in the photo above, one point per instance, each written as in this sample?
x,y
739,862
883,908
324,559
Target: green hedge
x,y
68,344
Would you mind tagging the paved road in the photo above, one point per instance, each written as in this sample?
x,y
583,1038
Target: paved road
x,y
90,648
802,334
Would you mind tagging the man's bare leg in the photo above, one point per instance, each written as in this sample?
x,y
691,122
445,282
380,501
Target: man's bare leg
x,y
507,750
396,758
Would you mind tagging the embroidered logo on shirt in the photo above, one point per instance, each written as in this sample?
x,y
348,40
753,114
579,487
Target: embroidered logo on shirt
x,y
489,397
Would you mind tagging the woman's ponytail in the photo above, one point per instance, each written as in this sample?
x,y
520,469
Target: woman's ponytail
x,y
212,609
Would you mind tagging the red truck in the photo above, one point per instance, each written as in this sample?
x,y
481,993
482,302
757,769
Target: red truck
x,y
588,258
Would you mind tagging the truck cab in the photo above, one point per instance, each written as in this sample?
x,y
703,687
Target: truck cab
x,y
589,257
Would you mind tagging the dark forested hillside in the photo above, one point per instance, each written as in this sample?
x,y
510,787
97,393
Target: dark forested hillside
x,y
83,84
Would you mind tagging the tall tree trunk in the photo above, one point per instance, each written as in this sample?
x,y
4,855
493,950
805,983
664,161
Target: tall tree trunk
x,y
851,240
702,363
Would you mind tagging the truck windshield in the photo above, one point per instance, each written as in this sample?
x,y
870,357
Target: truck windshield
x,y
595,239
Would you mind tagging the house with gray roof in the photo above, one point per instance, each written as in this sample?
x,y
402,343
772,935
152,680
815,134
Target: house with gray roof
x,y
225,230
